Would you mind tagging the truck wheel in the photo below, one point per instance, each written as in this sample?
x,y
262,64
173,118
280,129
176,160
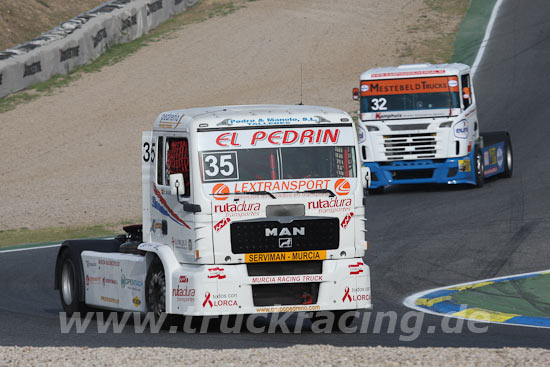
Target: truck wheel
x,y
479,167
69,285
508,158
155,289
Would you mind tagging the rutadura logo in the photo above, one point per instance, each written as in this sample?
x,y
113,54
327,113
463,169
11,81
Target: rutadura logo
x,y
342,187
220,191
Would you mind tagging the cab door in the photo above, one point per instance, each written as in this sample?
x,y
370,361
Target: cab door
x,y
171,224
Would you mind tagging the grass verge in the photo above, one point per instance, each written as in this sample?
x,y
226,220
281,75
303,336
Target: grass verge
x,y
438,21
203,10
11,237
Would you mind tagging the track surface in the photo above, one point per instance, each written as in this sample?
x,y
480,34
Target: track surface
x,y
421,237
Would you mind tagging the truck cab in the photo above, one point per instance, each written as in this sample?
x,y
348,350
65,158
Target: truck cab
x,y
418,124
246,209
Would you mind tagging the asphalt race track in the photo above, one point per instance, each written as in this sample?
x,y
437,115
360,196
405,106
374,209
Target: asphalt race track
x,y
420,237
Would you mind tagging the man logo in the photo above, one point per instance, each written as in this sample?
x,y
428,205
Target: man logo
x,y
342,187
220,191
296,231
285,242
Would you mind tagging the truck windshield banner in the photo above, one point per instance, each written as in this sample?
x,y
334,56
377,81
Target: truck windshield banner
x,y
269,138
407,86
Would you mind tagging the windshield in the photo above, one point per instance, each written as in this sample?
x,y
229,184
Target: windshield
x,y
261,164
413,94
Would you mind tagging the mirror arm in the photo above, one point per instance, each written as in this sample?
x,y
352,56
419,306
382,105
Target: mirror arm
x,y
187,207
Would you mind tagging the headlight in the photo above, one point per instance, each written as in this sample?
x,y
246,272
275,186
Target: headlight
x,y
372,128
446,124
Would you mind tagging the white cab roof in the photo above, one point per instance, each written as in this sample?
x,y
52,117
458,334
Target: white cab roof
x,y
415,70
248,115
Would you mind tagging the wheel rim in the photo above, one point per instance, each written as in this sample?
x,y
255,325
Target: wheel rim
x,y
156,293
479,166
67,282
509,159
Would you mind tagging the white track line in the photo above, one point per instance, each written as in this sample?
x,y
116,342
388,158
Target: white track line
x,y
488,31
410,300
29,248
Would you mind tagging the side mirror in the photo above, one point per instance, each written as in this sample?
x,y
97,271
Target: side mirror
x,y
177,184
365,177
356,93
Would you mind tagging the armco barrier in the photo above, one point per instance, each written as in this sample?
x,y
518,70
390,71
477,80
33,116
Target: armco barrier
x,y
82,39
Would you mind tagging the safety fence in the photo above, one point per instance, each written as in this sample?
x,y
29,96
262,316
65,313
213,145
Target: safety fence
x,y
82,39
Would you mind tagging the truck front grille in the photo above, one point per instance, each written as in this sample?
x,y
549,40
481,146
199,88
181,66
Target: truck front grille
x,y
285,234
410,146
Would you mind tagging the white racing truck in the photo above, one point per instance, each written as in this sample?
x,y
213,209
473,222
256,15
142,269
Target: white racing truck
x,y
246,210
418,124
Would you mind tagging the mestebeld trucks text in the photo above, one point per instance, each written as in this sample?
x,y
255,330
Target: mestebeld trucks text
x,y
246,209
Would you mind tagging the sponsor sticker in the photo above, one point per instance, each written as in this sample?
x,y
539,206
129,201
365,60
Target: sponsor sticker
x,y
136,301
364,88
108,262
131,283
93,280
216,273
184,294
332,205
355,294
220,191
342,187
346,220
464,165
184,279
355,269
287,279
110,300
500,157
410,86
219,300
285,256
461,130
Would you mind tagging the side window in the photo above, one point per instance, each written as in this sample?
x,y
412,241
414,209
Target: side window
x,y
176,153
160,161
466,91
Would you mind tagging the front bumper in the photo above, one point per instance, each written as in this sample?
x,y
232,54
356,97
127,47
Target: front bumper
x,y
201,290
457,170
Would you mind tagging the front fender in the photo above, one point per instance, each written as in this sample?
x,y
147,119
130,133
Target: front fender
x,y
168,260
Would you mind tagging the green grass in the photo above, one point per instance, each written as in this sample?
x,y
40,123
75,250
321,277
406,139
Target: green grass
x,y
13,237
523,296
439,47
203,10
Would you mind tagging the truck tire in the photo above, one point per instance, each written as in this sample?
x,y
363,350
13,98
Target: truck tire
x,y
508,158
478,167
155,289
69,285
155,294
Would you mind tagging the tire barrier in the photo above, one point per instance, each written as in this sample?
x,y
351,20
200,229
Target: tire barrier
x,y
82,39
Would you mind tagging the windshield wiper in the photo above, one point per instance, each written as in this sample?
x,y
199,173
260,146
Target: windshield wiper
x,y
248,193
321,190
